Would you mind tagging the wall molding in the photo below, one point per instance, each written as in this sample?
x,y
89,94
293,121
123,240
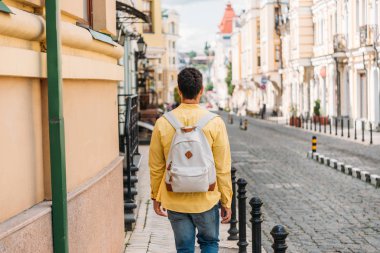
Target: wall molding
x,y
33,64
28,26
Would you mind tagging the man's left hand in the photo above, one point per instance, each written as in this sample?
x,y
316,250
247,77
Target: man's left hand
x,y
225,214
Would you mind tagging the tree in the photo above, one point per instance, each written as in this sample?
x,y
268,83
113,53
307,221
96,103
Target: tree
x,y
229,79
177,97
209,87
317,107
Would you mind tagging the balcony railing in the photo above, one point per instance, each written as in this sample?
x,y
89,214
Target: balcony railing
x,y
340,43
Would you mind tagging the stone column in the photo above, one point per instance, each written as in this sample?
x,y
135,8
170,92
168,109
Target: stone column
x,y
332,93
375,105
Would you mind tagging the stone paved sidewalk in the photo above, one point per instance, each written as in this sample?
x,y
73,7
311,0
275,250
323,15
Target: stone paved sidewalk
x,y
153,234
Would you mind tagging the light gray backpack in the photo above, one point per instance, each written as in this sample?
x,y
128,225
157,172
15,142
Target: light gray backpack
x,y
190,165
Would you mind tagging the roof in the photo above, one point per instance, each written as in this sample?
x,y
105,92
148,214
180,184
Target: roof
x,y
226,25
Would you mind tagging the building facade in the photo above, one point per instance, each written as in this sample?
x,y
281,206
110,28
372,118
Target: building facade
x,y
153,34
94,175
171,33
222,49
297,51
309,52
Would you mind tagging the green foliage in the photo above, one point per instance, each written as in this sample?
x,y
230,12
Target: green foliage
x,y
209,87
177,97
317,107
229,80
192,54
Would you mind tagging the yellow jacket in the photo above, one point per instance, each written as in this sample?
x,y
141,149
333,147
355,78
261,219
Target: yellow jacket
x,y
216,134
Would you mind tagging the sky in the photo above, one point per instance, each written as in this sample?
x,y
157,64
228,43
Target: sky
x,y
199,20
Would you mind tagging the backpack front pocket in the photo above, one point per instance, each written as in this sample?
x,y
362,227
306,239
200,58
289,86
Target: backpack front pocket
x,y
189,179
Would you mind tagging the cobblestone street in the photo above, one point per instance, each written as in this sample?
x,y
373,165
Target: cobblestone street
x,y
324,210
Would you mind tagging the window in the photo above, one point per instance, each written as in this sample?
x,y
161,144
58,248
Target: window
x,y
277,53
258,58
172,28
357,15
160,77
173,60
258,29
148,10
322,32
174,45
87,12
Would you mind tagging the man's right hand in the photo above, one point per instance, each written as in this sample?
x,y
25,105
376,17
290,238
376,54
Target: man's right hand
x,y
158,209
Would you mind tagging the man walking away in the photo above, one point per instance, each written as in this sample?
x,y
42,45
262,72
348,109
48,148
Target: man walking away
x,y
190,169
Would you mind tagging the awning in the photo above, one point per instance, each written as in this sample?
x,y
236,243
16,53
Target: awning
x,y
4,8
132,13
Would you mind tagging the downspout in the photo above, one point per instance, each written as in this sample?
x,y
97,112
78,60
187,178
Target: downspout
x,y
56,128
127,85
278,31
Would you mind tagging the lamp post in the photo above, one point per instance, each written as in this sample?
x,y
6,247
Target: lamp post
x,y
139,54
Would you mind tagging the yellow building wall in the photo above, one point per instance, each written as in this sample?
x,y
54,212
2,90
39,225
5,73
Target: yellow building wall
x,y
21,162
155,39
91,75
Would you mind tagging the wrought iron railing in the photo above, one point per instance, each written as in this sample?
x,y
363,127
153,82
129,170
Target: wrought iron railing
x,y
128,145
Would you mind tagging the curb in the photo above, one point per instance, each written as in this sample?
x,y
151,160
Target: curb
x,y
349,170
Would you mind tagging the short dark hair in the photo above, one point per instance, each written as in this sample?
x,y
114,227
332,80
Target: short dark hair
x,y
190,82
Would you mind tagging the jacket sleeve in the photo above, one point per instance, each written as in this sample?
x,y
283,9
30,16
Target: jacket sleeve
x,y
222,157
157,162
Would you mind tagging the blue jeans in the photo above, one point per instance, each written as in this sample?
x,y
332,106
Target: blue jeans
x,y
184,225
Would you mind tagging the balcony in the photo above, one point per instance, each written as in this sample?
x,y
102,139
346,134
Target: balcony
x,y
368,34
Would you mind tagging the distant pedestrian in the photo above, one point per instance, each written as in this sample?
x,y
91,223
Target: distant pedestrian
x,y
263,111
191,173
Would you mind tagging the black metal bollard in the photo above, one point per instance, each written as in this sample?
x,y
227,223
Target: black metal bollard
x,y
230,119
348,128
363,128
371,132
241,122
336,126
242,216
233,231
342,126
330,122
279,234
356,134
256,221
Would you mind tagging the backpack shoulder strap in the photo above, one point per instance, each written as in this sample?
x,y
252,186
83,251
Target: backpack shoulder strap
x,y
206,119
173,120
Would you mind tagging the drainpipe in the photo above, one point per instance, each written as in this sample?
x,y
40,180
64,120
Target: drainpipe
x,y
56,128
127,84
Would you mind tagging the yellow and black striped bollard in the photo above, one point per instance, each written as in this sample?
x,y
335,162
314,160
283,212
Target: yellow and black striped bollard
x,y
314,144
